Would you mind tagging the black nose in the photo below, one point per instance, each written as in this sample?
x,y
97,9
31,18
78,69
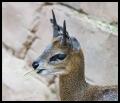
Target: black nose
x,y
35,64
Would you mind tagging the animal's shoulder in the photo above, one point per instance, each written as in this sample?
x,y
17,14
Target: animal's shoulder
x,y
109,94
98,93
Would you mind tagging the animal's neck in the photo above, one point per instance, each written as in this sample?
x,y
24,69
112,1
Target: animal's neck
x,y
73,84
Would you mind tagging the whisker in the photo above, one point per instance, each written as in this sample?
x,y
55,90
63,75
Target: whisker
x,y
28,72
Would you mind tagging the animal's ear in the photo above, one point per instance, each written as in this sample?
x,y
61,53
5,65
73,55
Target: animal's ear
x,y
75,44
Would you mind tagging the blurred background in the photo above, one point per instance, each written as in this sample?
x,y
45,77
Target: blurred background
x,y
26,31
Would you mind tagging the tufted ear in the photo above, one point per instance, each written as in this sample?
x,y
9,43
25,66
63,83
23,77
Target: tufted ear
x,y
75,44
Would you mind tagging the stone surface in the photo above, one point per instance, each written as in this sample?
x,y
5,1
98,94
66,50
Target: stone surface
x,y
104,10
20,86
17,18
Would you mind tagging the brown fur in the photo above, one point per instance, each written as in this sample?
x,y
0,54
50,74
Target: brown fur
x,y
73,86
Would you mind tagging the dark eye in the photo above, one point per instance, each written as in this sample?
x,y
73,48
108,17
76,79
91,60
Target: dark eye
x,y
58,56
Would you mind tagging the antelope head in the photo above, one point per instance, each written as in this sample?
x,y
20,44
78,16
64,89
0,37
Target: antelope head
x,y
58,56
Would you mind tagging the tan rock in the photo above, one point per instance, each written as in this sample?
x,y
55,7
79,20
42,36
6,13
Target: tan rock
x,y
18,86
107,11
16,24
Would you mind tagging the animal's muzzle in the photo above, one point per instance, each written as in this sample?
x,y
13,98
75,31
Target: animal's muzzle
x,y
35,64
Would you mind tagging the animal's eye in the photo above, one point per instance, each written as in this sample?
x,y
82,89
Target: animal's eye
x,y
58,57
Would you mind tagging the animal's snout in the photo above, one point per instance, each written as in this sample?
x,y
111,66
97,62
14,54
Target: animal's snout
x,y
35,64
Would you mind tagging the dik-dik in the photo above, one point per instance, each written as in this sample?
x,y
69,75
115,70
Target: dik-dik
x,y
64,57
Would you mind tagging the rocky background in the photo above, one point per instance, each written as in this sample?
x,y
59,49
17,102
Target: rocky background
x,y
26,31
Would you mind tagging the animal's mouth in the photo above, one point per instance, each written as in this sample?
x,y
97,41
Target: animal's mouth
x,y
40,70
43,71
